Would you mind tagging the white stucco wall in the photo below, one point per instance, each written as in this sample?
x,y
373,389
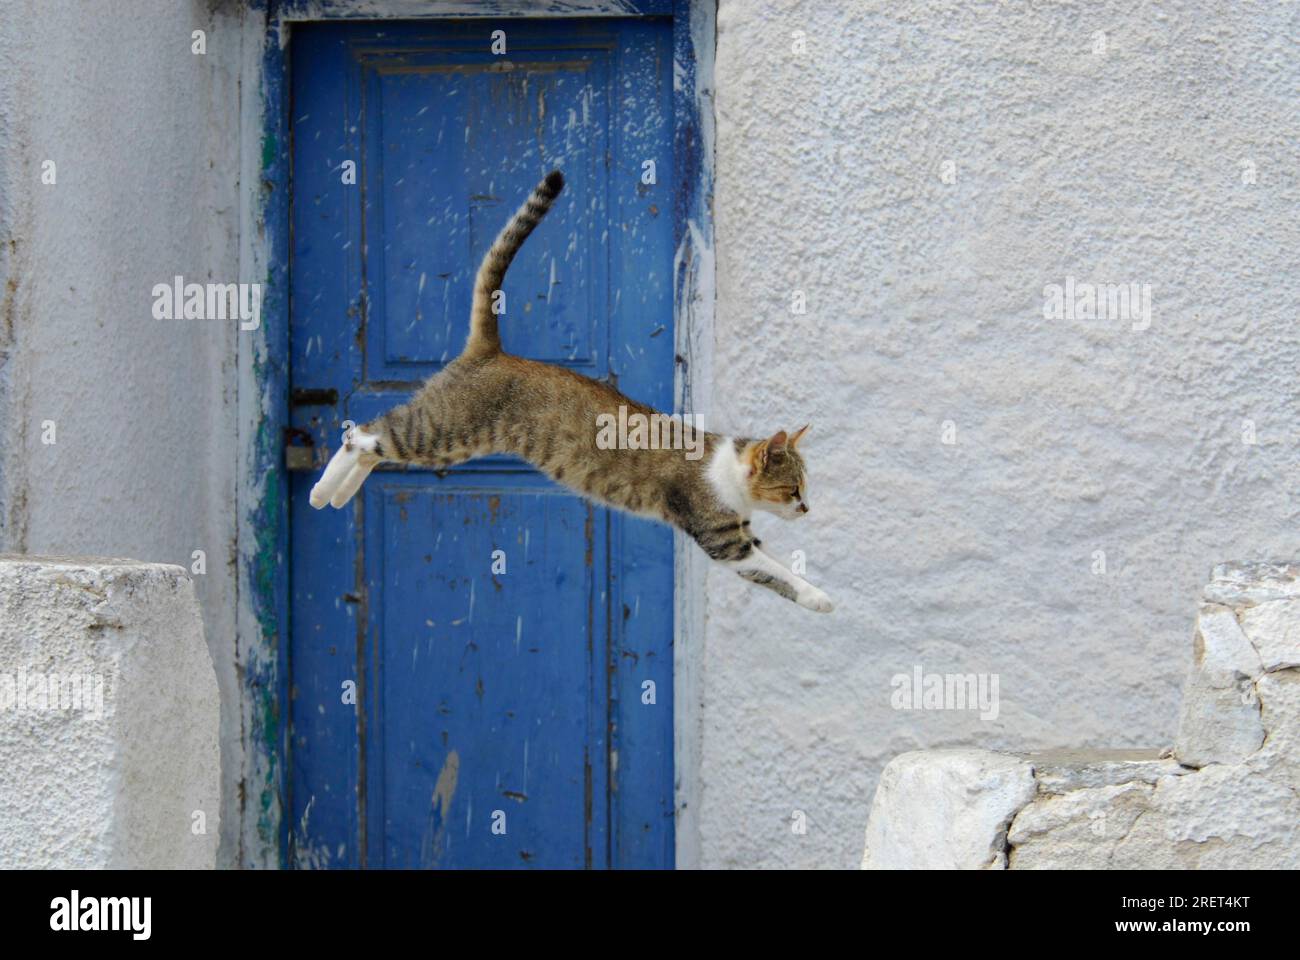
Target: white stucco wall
x,y
144,135
1224,798
108,717
925,305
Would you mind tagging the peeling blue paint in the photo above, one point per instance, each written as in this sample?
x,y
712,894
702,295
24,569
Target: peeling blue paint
x,y
266,675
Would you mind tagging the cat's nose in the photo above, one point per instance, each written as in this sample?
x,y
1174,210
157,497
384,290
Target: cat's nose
x,y
803,508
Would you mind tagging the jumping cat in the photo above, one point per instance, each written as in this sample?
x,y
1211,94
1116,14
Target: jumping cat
x,y
487,401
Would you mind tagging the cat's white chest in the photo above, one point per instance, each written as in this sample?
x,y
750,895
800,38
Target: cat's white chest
x,y
729,477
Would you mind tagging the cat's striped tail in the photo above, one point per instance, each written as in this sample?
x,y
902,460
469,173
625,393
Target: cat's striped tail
x,y
484,338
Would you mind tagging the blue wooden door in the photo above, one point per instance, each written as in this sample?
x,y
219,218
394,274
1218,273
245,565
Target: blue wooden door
x,y
480,662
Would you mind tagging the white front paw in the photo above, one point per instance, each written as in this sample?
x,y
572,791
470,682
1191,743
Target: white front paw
x,y
815,599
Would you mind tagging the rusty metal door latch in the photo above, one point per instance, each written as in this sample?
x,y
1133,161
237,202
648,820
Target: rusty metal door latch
x,y
299,449
300,452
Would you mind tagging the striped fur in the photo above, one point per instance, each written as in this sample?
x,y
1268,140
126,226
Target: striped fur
x,y
488,401
484,339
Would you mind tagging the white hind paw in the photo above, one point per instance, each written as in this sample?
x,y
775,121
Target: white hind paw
x,y
356,476
347,469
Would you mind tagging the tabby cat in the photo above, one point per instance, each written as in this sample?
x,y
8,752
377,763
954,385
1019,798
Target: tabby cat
x,y
487,401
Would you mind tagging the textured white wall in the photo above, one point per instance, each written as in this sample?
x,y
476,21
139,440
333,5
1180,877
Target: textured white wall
x,y
925,305
144,135
120,771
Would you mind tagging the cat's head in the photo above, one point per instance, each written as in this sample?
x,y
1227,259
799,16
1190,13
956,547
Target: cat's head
x,y
777,482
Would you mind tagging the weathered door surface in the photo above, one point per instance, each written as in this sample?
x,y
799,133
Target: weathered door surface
x,y
502,636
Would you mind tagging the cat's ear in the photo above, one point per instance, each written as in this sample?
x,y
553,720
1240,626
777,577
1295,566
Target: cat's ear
x,y
798,435
773,446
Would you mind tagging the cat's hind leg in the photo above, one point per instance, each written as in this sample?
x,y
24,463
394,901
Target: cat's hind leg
x,y
347,469
351,484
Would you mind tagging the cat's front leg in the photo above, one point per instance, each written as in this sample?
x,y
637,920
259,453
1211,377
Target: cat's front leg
x,y
766,571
